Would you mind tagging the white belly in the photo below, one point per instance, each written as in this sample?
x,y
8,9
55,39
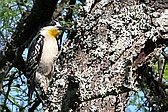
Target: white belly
x,y
50,50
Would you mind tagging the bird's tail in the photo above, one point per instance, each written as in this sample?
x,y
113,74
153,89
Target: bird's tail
x,y
31,86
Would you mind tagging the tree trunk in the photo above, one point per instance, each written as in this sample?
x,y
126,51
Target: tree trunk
x,y
98,68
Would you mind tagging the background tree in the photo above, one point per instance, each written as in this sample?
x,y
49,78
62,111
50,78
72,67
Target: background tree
x,y
106,57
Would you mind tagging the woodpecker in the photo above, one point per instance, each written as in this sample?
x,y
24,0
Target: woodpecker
x,y
40,59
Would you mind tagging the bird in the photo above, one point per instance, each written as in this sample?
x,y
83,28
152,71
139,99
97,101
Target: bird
x,y
42,52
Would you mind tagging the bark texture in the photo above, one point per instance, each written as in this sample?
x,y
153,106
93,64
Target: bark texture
x,y
98,69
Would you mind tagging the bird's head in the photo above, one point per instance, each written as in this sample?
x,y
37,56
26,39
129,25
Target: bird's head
x,y
52,31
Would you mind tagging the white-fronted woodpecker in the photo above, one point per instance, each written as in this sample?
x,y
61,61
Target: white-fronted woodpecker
x,y
40,59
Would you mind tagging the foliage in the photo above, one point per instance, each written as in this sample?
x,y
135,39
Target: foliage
x,y
165,76
11,12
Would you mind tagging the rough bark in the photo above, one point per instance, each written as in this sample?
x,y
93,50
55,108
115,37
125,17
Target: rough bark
x,y
98,69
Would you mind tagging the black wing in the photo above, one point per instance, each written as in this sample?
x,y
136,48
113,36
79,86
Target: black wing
x,y
33,58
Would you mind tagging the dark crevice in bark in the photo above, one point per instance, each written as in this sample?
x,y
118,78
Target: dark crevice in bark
x,y
71,97
140,58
